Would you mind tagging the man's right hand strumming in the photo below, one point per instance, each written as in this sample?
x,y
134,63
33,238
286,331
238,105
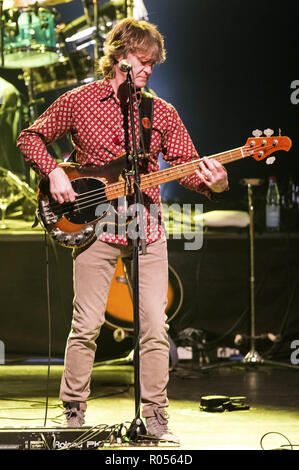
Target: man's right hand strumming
x,y
60,186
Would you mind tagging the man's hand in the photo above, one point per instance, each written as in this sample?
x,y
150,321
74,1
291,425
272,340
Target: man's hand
x,y
213,174
60,186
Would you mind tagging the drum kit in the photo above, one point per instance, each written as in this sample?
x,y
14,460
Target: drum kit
x,y
54,55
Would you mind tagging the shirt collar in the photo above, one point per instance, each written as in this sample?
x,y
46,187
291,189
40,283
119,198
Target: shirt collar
x,y
107,91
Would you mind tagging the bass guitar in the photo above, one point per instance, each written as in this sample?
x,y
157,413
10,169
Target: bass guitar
x,y
73,224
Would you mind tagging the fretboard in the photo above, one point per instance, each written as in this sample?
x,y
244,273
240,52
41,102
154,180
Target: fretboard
x,y
116,190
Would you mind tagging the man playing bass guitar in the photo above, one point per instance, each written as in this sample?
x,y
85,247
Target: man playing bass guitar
x,y
96,117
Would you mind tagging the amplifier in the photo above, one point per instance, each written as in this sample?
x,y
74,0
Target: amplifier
x,y
41,438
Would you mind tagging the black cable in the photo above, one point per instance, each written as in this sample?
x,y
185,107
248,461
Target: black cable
x,y
1,33
66,320
210,345
280,434
275,347
49,325
117,392
284,324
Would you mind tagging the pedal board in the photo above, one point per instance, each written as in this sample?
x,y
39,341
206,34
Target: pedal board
x,y
84,438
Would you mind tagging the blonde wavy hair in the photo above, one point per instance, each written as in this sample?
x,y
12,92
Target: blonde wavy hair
x,y
131,36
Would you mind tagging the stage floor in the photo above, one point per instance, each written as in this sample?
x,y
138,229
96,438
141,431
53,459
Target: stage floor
x,y
271,422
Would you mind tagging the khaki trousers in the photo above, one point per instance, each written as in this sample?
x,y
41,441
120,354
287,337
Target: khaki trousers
x,y
94,268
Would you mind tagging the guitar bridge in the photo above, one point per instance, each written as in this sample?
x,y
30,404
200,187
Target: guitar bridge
x,y
47,214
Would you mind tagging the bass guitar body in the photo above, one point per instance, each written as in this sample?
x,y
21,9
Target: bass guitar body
x,y
73,223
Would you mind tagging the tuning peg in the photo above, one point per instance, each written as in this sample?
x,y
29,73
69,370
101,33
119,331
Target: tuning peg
x,y
257,133
270,160
268,132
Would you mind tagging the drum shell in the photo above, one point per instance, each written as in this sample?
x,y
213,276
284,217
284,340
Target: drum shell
x,y
29,37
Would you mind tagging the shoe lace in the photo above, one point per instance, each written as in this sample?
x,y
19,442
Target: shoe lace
x,y
71,412
160,420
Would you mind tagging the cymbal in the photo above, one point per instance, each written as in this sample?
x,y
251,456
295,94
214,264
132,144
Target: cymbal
x,y
8,4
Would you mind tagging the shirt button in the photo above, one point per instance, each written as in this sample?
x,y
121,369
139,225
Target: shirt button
x,y
116,140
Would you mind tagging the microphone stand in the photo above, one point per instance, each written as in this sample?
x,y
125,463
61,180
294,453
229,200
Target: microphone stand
x,y
137,427
1,33
96,39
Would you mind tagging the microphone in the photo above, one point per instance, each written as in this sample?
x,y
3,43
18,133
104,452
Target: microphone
x,y
125,66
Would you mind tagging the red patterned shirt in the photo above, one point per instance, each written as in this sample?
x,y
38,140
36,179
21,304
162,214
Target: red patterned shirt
x,y
93,118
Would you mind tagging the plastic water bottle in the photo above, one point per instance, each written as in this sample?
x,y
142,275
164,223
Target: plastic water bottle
x,y
272,206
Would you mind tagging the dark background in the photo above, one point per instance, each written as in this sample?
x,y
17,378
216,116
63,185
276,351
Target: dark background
x,y
229,69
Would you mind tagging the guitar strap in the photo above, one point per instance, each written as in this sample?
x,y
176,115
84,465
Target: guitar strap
x,y
146,121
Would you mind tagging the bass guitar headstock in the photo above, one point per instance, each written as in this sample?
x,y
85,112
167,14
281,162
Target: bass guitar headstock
x,y
262,146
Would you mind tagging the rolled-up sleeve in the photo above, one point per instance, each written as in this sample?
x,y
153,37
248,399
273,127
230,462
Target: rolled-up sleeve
x,y
54,123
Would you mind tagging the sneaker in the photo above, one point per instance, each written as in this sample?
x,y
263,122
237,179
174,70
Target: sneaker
x,y
157,427
74,414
